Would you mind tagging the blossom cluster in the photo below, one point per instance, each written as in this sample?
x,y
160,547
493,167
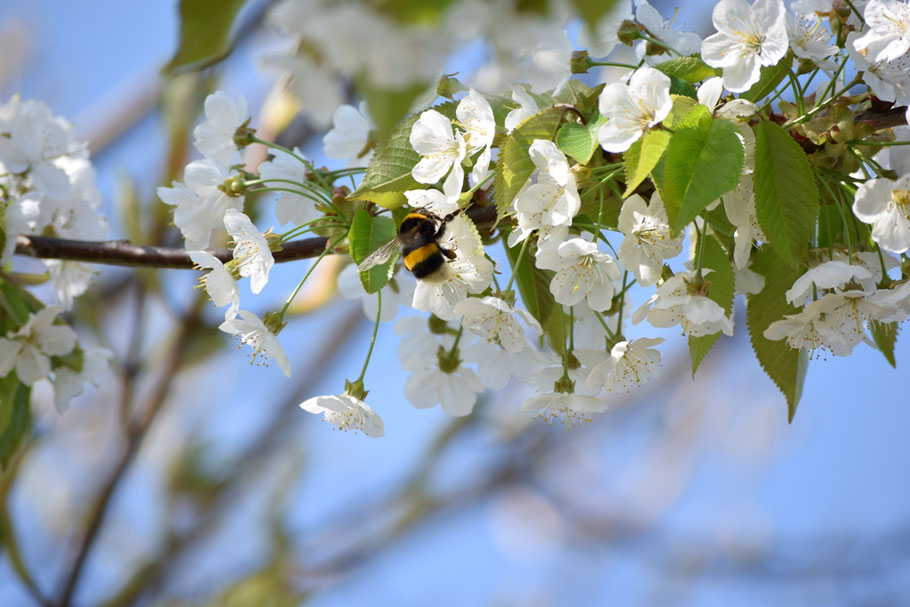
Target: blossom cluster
x,y
579,249
46,188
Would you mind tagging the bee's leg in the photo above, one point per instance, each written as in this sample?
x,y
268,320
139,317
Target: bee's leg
x,y
440,232
447,252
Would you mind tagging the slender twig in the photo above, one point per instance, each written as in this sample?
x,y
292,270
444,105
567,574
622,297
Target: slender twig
x,y
125,253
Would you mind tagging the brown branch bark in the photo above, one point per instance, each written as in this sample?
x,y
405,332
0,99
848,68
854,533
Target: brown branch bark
x,y
125,253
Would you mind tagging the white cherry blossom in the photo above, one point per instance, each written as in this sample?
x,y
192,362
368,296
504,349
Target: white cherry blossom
x,y
441,151
677,303
810,39
199,204
886,205
215,137
251,249
29,348
569,408
70,279
894,302
648,241
494,364
551,202
888,33
251,331
475,115
887,79
600,40
345,413
527,107
291,208
739,206
824,276
434,201
748,37
686,43
496,321
69,383
633,108
630,364
582,273
469,272
219,284
349,136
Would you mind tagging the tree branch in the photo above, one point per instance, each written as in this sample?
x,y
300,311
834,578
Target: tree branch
x,y
125,253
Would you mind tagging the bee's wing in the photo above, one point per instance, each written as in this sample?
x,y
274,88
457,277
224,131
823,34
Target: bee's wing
x,y
380,255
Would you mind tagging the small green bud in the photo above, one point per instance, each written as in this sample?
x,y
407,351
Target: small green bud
x,y
580,62
244,135
449,86
628,32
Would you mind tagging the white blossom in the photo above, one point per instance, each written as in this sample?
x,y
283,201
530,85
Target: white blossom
x,y
469,272
582,273
600,40
441,151
632,108
219,284
810,39
199,204
677,303
70,279
251,249
824,276
69,383
349,136
527,107
215,136
886,205
494,364
475,115
316,88
291,208
551,202
686,43
648,241
28,349
739,206
496,321
888,33
345,412
630,364
747,38
568,407
250,330
887,79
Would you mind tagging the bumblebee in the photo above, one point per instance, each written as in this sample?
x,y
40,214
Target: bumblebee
x,y
418,236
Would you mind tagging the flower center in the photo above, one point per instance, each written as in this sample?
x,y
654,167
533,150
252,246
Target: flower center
x,y
901,200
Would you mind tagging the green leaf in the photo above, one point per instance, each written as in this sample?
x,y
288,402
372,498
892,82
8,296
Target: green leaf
x,y
534,287
368,233
771,76
785,366
649,151
703,162
786,196
205,31
592,10
678,86
885,336
720,291
682,107
577,141
15,416
388,105
689,69
388,175
515,166
580,96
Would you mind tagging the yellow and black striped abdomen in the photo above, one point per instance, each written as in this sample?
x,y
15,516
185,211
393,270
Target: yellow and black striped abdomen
x,y
424,259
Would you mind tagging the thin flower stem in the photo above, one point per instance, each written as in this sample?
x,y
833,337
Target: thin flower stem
x,y
701,250
303,160
832,83
521,255
858,14
622,301
457,339
375,332
880,143
322,255
304,185
797,92
603,323
661,43
296,230
565,348
613,64
821,106
571,328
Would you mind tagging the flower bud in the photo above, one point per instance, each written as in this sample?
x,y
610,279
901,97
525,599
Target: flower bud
x,y
243,136
628,32
581,62
448,86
